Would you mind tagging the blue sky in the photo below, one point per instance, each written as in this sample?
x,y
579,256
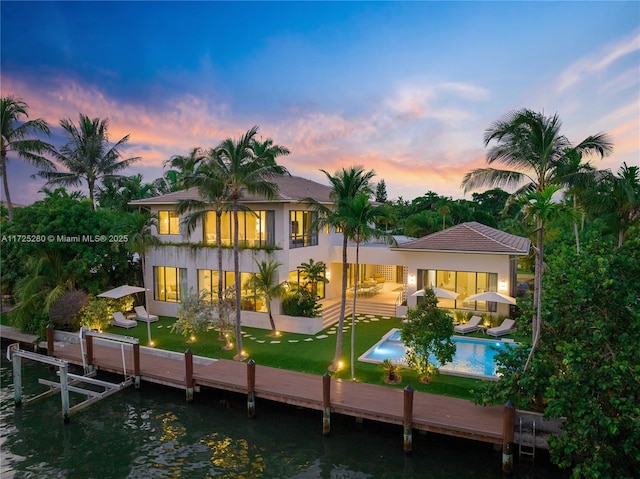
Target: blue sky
x,y
404,88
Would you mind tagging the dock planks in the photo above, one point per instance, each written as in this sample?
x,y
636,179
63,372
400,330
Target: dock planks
x,y
432,413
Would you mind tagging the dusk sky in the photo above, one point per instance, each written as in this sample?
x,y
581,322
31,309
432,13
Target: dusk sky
x,y
404,88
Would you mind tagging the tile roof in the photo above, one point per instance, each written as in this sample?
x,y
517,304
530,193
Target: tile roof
x,y
290,189
471,237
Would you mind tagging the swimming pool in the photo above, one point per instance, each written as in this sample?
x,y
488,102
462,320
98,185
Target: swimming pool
x,y
474,357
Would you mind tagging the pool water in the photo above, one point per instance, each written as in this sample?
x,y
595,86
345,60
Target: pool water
x,y
474,356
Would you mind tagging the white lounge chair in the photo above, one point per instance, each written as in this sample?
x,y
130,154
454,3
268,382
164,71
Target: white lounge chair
x,y
505,328
142,315
121,321
470,326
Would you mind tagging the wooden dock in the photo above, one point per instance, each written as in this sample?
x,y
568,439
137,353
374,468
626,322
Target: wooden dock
x,y
431,413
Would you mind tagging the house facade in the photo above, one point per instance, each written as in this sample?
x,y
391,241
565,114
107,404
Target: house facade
x,y
281,229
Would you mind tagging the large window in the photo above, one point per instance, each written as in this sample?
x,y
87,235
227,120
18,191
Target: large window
x,y
168,223
465,283
301,230
169,283
249,298
255,228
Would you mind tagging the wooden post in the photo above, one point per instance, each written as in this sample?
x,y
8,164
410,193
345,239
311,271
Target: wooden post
x,y
89,343
326,404
508,424
50,339
64,392
136,364
188,377
407,420
251,388
17,379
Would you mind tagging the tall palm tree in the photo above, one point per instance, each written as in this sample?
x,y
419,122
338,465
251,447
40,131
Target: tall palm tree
x,y
140,240
265,283
531,144
243,171
87,155
16,139
540,207
358,217
345,186
214,197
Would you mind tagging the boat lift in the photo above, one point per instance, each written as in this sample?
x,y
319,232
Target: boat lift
x,y
68,381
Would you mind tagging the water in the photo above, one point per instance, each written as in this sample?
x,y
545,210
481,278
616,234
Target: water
x,y
474,357
154,433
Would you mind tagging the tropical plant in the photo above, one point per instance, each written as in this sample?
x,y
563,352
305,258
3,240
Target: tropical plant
x,y
16,139
116,193
266,284
240,170
195,314
345,186
427,331
617,200
390,369
87,155
312,274
298,301
531,143
96,315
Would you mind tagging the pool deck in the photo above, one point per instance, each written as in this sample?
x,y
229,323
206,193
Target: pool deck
x,y
431,413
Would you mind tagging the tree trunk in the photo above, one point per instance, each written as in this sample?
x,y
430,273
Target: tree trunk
x,y
353,317
219,246
236,270
575,224
5,184
536,323
343,306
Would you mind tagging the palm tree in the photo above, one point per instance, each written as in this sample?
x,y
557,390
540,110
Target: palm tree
x,y
265,283
87,155
358,218
16,139
214,198
531,143
540,207
140,239
313,273
345,186
116,193
241,170
618,199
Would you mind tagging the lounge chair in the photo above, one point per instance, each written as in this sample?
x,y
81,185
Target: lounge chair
x,y
142,315
505,328
469,327
121,321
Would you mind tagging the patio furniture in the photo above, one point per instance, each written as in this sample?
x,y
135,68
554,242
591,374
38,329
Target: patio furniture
x,y
469,327
122,322
505,328
142,315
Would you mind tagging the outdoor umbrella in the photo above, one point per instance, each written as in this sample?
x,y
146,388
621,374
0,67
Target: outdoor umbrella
x,y
493,297
440,293
121,291
126,290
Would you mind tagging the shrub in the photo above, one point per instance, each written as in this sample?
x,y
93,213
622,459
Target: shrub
x,y
300,302
96,314
65,313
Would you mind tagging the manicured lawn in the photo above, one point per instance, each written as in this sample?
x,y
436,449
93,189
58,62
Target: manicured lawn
x,y
310,354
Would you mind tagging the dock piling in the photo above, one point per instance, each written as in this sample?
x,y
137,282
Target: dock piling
x,y
50,339
326,404
251,388
88,338
17,379
408,419
188,377
508,424
136,364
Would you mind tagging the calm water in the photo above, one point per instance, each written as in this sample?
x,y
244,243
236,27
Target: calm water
x,y
153,433
474,357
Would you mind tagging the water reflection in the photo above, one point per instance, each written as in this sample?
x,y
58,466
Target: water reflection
x,y
153,433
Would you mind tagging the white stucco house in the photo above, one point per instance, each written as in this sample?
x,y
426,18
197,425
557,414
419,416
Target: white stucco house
x,y
467,258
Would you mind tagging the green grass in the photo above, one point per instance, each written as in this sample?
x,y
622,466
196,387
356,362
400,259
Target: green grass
x,y
306,356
